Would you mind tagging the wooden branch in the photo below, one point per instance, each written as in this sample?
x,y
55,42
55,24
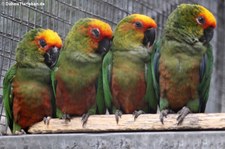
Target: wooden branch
x,y
145,122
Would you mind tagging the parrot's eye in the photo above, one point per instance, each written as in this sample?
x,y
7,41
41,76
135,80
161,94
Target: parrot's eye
x,y
138,24
96,32
42,42
200,20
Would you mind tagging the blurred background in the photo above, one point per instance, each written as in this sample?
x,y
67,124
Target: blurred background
x,y
18,17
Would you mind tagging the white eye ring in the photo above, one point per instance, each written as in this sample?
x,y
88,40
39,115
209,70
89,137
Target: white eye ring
x,y
200,20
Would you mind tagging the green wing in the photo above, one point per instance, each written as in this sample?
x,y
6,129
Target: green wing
x,y
150,95
56,111
8,96
106,71
155,72
205,78
101,109
53,84
53,81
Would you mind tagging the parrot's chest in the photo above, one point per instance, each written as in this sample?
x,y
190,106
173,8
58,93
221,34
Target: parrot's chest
x,y
75,102
76,90
32,87
128,87
179,80
32,101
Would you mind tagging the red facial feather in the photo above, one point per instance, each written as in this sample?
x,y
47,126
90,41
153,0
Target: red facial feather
x,y
50,37
104,28
210,20
146,21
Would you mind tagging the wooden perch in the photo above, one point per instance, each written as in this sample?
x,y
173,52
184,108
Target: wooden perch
x,y
145,122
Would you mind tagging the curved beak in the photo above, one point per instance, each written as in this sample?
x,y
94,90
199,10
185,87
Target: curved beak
x,y
51,56
149,37
104,46
208,35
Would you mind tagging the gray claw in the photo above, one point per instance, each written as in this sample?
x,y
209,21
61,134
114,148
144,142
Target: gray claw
x,y
137,113
118,115
163,114
47,120
182,114
84,119
66,117
21,132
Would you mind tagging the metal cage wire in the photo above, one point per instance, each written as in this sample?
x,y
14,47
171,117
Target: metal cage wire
x,y
60,15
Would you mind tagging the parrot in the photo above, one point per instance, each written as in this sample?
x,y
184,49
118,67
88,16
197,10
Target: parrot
x,y
182,62
27,92
77,80
127,81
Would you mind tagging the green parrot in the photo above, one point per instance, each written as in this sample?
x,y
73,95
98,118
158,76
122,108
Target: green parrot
x,y
27,92
183,61
127,81
77,78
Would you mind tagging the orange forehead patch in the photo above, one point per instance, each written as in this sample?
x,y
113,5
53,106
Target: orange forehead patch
x,y
147,21
51,38
209,17
105,29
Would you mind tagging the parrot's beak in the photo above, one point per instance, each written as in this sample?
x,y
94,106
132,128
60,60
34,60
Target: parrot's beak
x,y
149,37
51,56
104,46
208,35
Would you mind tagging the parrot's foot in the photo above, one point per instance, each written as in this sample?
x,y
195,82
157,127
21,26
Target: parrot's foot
x,y
84,119
118,115
47,120
21,132
137,113
66,117
182,114
164,113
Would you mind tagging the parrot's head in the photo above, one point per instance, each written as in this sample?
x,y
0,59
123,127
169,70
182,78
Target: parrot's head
x,y
89,36
39,45
134,31
193,21
49,43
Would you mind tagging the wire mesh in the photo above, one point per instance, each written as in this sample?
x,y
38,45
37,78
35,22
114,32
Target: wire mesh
x,y
60,15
